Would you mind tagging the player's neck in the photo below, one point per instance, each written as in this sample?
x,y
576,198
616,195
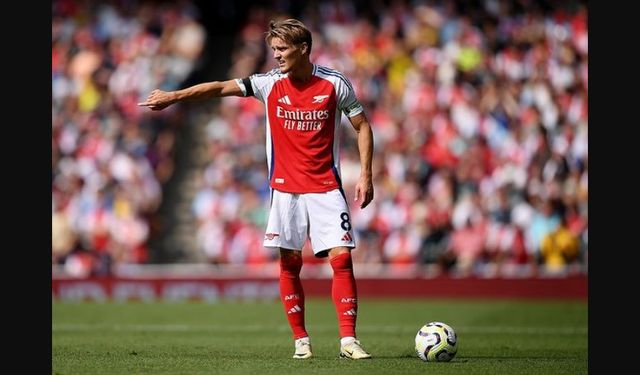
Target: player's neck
x,y
302,73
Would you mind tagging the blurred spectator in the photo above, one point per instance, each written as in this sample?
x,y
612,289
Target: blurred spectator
x,y
466,247
401,246
559,248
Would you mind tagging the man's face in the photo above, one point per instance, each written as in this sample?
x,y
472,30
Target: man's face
x,y
287,55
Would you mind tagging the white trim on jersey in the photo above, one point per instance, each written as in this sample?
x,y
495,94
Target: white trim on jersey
x,y
336,146
262,85
268,143
346,102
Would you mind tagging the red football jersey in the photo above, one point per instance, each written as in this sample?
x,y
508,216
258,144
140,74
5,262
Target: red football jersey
x,y
303,123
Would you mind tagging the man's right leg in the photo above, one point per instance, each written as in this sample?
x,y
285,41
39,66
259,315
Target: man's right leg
x,y
292,296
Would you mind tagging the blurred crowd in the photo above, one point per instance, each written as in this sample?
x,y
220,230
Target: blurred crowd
x,y
479,112
480,119
108,161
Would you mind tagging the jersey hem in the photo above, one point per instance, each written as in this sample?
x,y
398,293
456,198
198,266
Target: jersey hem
x,y
293,191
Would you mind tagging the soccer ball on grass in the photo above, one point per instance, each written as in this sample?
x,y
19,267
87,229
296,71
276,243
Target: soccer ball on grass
x,y
436,342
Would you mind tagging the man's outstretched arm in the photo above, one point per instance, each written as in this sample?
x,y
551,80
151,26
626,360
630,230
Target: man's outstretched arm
x,y
159,100
364,187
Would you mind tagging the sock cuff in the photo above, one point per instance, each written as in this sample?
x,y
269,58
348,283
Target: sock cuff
x,y
342,261
304,339
347,340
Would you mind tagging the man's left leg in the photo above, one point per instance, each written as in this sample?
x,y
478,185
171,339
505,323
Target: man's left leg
x,y
345,299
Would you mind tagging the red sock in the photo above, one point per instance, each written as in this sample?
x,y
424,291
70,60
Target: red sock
x,y
292,295
344,294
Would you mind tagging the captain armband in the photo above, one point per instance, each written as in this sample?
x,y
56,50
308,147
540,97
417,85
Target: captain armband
x,y
245,86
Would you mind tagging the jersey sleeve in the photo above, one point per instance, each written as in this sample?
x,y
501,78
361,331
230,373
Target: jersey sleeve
x,y
258,85
347,101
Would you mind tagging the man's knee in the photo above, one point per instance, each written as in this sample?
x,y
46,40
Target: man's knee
x,y
338,251
290,261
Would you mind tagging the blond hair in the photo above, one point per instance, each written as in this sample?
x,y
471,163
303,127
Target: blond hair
x,y
290,31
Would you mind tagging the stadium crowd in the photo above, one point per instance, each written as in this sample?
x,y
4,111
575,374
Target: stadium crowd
x,y
480,120
479,111
108,161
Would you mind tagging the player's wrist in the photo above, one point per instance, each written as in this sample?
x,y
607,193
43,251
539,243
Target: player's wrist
x,y
174,96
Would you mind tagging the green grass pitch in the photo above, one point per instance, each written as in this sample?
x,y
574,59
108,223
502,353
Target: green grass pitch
x,y
494,337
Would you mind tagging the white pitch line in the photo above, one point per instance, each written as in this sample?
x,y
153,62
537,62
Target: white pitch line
x,y
76,327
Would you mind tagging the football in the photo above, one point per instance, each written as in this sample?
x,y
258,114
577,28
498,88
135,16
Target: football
x,y
436,342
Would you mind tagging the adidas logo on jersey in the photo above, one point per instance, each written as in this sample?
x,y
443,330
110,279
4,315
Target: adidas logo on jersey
x,y
346,237
319,98
285,100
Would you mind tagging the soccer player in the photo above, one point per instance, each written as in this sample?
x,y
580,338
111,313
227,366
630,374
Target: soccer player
x,y
304,103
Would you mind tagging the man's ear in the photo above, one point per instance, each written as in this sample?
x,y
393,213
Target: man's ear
x,y
304,47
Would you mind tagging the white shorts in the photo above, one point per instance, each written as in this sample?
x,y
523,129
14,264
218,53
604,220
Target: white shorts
x,y
324,217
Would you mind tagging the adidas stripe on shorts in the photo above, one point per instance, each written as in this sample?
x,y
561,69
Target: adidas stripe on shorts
x,y
324,217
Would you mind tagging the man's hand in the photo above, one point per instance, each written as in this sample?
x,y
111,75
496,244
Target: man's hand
x,y
158,100
364,191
